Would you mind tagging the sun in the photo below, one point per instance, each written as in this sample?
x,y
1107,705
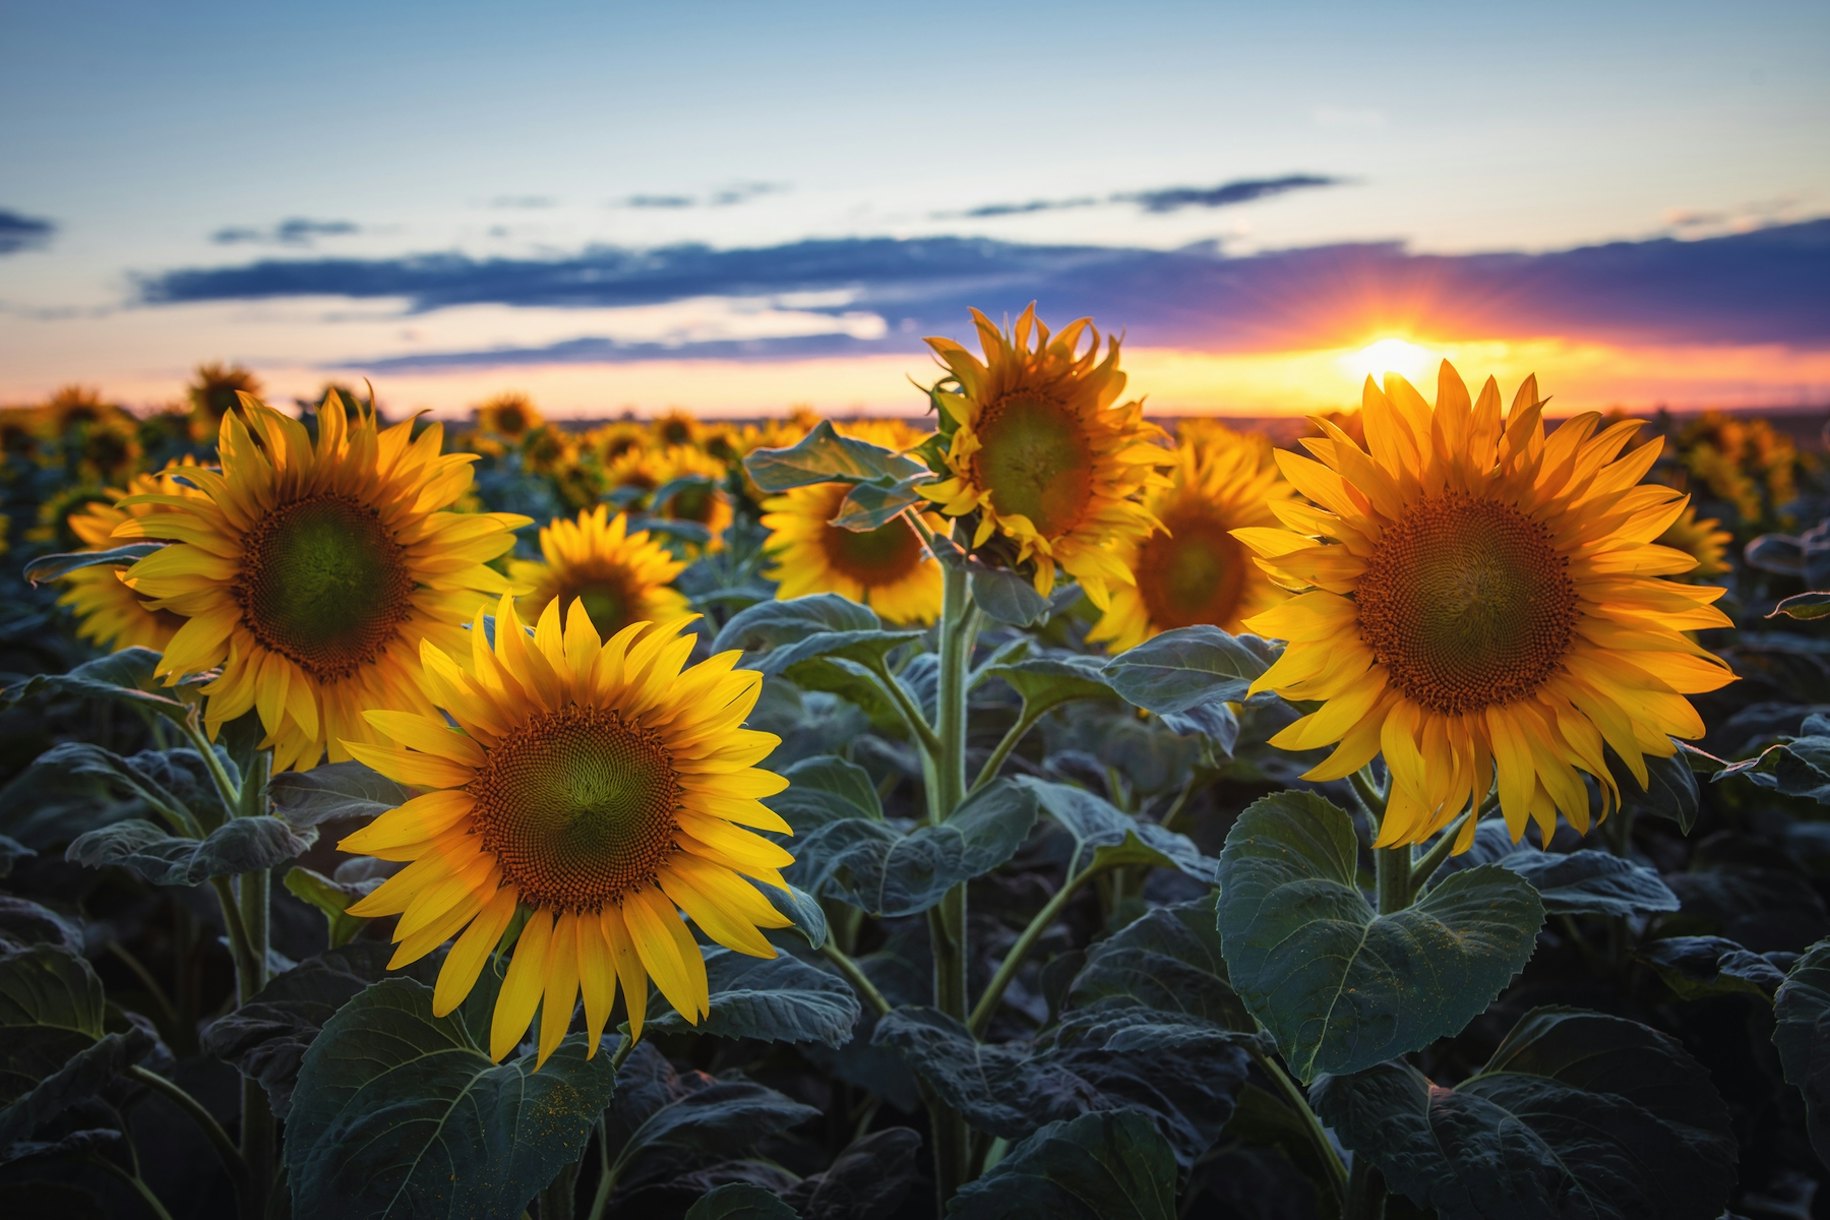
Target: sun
x,y
1391,354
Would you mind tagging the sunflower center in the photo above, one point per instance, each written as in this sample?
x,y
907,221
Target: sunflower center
x,y
694,501
577,806
324,584
1036,460
871,557
1193,574
1467,603
609,597
510,421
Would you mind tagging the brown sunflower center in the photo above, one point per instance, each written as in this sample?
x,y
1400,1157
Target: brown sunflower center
x,y
577,806
1037,460
1193,574
871,557
1467,603
325,584
510,420
695,499
610,596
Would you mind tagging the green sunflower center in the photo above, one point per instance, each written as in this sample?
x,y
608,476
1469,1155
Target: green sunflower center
x,y
1467,603
577,806
1036,460
1193,574
871,557
324,584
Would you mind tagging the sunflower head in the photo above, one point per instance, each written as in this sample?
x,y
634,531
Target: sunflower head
x,y
887,568
676,427
73,408
109,448
701,498
548,451
59,512
1040,449
1484,604
109,614
19,432
1703,539
508,416
1193,570
601,789
621,577
309,571
215,392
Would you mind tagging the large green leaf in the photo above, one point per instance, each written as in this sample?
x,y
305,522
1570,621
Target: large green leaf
x,y
1799,767
870,1178
241,845
1801,1031
50,567
334,792
740,1201
58,1043
1167,962
823,456
823,789
770,999
120,677
1005,596
1697,967
1340,986
400,1113
884,869
1590,882
1180,670
873,505
1105,835
1108,1166
175,784
1051,679
779,636
1576,1115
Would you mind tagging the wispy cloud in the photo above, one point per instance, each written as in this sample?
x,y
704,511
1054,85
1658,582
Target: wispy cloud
x,y
295,231
522,203
723,197
19,233
1763,287
1160,200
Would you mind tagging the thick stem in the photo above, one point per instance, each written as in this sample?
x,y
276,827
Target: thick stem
x,y
1392,877
1020,951
1299,1102
1365,1192
254,901
912,719
1026,720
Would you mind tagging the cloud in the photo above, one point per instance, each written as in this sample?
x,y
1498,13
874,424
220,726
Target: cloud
x,y
1159,201
723,197
19,233
296,231
1763,287
522,202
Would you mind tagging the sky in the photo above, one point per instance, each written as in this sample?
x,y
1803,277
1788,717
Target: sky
x,y
733,207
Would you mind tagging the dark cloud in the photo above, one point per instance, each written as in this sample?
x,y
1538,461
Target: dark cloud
x,y
723,197
296,231
1161,200
19,233
1747,288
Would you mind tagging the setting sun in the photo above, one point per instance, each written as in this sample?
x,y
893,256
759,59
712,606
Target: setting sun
x,y
1392,355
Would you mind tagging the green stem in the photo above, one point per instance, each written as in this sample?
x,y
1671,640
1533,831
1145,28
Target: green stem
x,y
1370,796
1427,864
854,974
1299,1102
254,902
180,1097
226,788
606,1180
912,719
1365,1192
1026,721
139,1186
1020,951
1392,878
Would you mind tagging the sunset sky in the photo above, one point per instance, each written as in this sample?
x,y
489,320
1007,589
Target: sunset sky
x,y
733,207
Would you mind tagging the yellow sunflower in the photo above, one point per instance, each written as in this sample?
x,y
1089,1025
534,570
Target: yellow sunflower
x,y
621,577
1479,601
311,572
706,503
1042,453
1703,539
888,568
109,614
599,788
109,450
509,416
217,392
1194,570
676,427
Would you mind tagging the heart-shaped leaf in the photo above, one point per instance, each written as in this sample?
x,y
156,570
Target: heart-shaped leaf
x,y
779,636
1105,1166
240,845
823,456
1696,967
334,792
1340,986
1590,882
1801,1031
1180,670
120,677
772,999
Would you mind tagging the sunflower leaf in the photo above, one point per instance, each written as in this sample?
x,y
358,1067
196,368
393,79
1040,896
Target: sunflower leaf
x,y
400,1113
1006,597
1576,1114
1591,882
50,567
1340,986
121,677
823,456
1799,767
1696,967
334,792
873,505
778,636
241,845
774,999
1104,1166
740,1201
1180,670
1805,606
1050,680
1801,1031
175,784
1104,835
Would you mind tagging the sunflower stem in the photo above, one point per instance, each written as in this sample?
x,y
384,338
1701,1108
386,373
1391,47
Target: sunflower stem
x,y
255,902
206,1122
138,1184
1444,846
1392,878
1020,951
1318,1135
912,719
854,974
1365,1192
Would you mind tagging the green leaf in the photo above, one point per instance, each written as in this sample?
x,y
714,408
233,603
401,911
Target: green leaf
x,y
400,1113
266,1038
778,636
881,868
50,567
1671,793
1801,1031
24,923
1576,1115
823,456
1808,607
1110,1166
665,1125
1166,962
57,1043
1180,670
241,845
772,999
1005,596
329,898
825,788
740,1201
175,784
335,792
121,677
1697,967
1799,767
1340,986
870,1178
1590,882
1105,836
873,505
1050,680
801,907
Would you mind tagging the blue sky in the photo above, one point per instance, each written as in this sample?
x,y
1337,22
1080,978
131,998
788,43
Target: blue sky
x,y
1238,189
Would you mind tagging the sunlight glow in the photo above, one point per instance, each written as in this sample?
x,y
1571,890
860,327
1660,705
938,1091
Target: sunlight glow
x,y
1409,360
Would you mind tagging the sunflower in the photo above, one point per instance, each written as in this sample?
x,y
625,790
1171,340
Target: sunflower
x,y
621,577
73,408
59,510
887,568
1703,539
1477,600
597,787
703,501
1039,450
1195,571
311,572
109,449
19,432
508,416
217,392
676,427
109,614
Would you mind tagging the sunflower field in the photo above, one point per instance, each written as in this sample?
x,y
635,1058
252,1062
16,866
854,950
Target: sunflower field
x,y
1030,808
